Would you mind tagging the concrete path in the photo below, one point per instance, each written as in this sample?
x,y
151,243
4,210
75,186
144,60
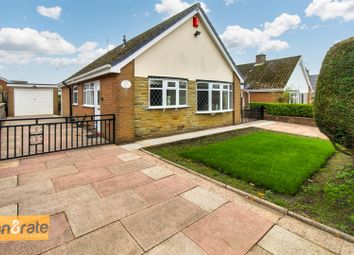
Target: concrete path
x,y
108,200
264,124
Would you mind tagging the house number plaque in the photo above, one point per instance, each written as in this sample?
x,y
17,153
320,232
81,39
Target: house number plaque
x,y
126,84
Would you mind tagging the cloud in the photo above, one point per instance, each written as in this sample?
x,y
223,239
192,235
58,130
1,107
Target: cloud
x,y
24,46
238,38
331,9
228,2
31,40
172,7
50,12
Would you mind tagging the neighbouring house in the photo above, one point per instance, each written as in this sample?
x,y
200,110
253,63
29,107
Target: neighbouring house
x,y
313,81
276,79
24,98
175,77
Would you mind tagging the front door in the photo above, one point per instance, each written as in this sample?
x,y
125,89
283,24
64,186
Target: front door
x,y
97,100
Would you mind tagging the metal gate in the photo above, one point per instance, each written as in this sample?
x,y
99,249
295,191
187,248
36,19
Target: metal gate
x,y
33,136
248,115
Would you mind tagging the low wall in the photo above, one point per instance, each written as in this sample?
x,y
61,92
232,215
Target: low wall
x,y
2,111
290,119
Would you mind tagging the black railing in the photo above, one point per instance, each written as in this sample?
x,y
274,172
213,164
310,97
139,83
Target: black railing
x,y
252,114
32,136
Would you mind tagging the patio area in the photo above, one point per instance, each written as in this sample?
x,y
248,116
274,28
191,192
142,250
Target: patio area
x,y
117,200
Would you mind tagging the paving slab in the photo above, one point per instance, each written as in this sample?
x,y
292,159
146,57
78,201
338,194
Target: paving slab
x,y
96,163
9,163
228,230
80,179
112,239
157,172
281,241
156,224
256,250
130,166
42,158
347,248
87,217
58,202
313,234
24,193
22,169
8,182
107,152
59,233
206,200
121,183
46,174
163,189
179,244
128,156
59,163
9,210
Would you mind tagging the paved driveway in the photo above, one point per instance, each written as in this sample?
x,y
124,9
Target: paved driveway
x,y
106,200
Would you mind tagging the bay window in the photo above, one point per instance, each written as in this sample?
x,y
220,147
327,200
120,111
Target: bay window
x,y
89,91
75,96
214,97
167,93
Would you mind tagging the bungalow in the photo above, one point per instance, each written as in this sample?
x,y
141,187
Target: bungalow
x,y
175,77
268,80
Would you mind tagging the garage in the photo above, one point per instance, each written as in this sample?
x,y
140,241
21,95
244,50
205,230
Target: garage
x,y
26,99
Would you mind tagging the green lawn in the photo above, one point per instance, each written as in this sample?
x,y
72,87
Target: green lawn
x,y
327,197
276,161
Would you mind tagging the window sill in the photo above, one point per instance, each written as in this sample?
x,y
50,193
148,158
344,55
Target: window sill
x,y
88,106
74,104
167,108
214,112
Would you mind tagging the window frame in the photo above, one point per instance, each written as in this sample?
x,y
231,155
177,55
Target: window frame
x,y
91,91
75,90
165,88
216,86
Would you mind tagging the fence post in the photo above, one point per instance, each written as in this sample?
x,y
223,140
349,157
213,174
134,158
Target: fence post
x,y
114,128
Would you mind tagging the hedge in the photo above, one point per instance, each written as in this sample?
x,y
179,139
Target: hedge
x,y
280,109
334,107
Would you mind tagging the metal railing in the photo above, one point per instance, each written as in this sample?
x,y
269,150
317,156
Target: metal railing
x,y
33,136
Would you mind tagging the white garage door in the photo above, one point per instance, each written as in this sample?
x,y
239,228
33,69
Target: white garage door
x,y
33,101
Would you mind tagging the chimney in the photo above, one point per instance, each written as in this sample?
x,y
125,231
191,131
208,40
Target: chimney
x,y
260,59
124,41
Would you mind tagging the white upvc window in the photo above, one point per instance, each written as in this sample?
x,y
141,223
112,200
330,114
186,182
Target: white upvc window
x,y
89,92
214,97
167,93
75,95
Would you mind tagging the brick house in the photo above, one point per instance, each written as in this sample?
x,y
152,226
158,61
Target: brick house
x,y
173,78
267,80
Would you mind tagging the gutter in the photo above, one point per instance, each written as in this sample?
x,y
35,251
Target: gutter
x,y
92,74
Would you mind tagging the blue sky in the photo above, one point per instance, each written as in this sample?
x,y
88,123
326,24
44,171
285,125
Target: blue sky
x,y
46,41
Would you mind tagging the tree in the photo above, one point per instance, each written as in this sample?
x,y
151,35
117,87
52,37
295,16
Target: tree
x,y
334,100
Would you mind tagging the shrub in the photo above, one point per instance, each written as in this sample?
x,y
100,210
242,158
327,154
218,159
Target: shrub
x,y
297,110
334,112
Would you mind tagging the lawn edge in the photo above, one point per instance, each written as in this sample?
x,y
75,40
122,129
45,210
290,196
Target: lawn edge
x,y
246,195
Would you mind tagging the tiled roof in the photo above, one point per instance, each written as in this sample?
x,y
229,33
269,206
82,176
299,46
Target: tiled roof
x,y
273,74
120,53
313,81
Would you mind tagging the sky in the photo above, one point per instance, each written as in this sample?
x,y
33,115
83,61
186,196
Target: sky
x,y
46,41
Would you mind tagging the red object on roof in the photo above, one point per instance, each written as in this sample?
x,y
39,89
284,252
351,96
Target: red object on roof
x,y
195,21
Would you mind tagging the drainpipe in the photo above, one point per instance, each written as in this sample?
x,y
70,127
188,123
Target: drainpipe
x,y
70,98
